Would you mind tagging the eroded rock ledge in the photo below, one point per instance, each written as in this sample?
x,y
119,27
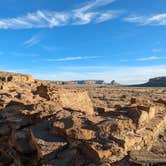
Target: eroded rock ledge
x,y
42,124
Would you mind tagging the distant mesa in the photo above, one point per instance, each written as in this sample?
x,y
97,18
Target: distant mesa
x,y
157,82
17,77
154,82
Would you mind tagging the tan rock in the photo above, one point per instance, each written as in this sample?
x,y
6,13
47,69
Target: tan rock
x,y
77,100
142,114
70,128
13,77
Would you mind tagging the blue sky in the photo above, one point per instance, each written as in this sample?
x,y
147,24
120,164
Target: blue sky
x,y
123,40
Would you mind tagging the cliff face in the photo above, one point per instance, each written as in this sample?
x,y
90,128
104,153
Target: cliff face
x,y
153,82
157,82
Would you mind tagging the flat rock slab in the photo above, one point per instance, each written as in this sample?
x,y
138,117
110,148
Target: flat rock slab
x,y
141,157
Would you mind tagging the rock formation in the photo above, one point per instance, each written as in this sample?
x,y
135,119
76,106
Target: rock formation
x,y
13,77
157,82
154,82
44,124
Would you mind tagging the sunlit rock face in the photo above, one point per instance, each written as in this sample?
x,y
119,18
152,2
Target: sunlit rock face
x,y
71,99
44,124
13,77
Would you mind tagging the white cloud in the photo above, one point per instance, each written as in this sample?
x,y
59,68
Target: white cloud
x,y
39,19
157,19
107,16
32,41
93,4
148,58
72,58
83,18
85,14
49,19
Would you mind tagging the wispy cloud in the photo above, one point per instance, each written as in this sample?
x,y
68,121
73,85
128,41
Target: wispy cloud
x,y
93,4
141,59
157,19
150,58
32,41
88,13
72,58
107,16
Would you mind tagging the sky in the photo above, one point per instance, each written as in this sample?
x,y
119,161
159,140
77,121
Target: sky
x,y
122,40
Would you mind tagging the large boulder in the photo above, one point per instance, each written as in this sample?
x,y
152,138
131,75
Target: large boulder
x,y
76,100
142,114
73,128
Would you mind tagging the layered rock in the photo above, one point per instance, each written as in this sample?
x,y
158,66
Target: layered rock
x,y
68,98
13,77
42,124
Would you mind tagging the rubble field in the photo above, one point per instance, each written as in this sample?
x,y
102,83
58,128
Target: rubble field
x,y
50,125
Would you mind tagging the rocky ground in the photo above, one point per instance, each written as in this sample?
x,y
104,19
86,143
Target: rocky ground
x,y
43,124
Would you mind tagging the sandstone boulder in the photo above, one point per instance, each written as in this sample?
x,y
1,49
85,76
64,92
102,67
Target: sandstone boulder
x,y
142,114
72,128
77,100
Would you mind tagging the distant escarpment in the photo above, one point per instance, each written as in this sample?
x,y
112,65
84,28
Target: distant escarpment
x,y
158,82
154,82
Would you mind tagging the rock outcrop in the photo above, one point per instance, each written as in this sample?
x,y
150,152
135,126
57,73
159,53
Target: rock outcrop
x,y
157,82
153,82
43,124
76,100
13,77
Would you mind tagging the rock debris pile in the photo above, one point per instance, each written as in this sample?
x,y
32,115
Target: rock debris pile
x,y
43,124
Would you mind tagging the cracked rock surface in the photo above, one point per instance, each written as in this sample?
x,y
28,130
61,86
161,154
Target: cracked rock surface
x,y
44,124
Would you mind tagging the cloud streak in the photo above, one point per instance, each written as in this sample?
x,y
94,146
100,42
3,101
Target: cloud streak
x,y
94,4
86,14
156,19
32,41
141,59
72,58
150,58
